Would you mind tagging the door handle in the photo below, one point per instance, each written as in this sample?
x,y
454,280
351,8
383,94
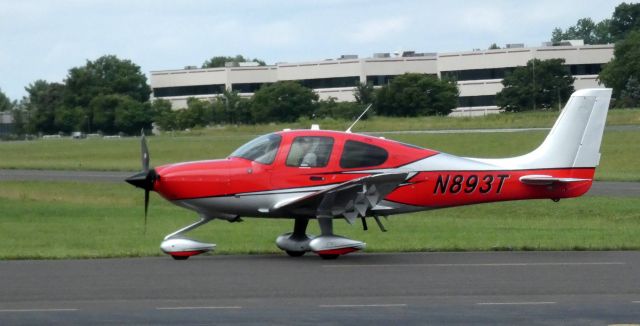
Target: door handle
x,y
316,178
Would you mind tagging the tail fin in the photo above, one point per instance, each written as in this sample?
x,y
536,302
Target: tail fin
x,y
574,140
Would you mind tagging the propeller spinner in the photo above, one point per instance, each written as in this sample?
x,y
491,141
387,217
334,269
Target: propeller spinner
x,y
144,179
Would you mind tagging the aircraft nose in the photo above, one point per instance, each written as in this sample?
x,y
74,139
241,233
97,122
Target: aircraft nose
x,y
144,180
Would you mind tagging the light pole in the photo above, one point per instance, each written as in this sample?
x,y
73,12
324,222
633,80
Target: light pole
x,y
226,108
533,78
559,100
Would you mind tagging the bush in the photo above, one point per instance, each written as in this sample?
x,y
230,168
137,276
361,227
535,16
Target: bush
x,y
411,95
340,110
283,101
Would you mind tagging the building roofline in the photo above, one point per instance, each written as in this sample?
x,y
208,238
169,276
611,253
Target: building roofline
x,y
528,49
429,57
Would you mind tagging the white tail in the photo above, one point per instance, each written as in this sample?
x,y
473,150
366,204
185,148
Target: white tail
x,y
574,140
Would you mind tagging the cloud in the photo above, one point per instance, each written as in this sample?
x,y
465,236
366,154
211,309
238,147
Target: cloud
x,y
43,39
378,29
274,34
483,19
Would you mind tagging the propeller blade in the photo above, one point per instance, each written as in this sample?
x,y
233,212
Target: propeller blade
x,y
146,209
146,178
145,153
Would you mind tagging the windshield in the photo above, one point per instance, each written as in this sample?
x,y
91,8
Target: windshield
x,y
262,149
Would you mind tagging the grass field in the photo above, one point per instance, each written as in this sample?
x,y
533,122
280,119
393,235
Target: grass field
x,y
620,150
72,220
63,220
378,123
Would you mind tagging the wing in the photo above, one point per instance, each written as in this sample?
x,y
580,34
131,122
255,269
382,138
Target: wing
x,y
349,199
543,180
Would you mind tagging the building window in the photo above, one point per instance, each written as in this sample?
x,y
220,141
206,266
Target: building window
x,y
330,82
247,87
311,152
380,80
586,69
481,100
359,155
188,90
476,74
500,73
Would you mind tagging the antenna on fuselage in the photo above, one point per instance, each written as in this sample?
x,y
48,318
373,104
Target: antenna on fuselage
x,y
358,119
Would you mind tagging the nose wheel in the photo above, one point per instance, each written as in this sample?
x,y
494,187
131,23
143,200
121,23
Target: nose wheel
x,y
180,257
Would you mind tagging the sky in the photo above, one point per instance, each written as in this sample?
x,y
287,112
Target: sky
x,y
44,39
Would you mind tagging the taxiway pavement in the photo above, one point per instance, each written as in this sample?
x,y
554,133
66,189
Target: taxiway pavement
x,y
569,288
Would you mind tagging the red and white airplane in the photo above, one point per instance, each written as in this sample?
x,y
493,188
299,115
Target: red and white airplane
x,y
325,175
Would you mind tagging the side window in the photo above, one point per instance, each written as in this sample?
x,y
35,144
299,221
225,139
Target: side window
x,y
311,151
358,155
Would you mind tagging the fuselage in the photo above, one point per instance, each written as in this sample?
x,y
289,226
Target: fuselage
x,y
278,167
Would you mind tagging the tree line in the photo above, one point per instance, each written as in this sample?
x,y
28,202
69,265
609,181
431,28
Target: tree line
x,y
110,95
409,94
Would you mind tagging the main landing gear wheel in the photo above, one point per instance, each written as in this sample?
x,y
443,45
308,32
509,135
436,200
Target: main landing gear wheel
x,y
295,253
180,257
329,256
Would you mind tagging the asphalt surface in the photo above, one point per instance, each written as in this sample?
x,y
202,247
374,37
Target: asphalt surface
x,y
569,288
63,175
599,188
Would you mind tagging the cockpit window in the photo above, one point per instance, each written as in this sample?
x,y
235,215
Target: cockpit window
x,y
358,155
310,151
262,149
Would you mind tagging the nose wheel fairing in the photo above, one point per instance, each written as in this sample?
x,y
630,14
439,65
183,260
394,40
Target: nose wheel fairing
x,y
180,247
185,247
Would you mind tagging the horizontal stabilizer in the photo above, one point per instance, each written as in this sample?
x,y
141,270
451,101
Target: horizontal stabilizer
x,y
542,180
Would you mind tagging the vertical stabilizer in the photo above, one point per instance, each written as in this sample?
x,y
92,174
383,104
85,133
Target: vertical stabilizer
x,y
574,140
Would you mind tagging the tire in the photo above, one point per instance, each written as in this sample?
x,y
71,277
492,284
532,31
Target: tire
x,y
329,257
180,257
295,253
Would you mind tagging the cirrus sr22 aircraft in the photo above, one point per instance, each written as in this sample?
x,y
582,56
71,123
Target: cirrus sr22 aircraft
x,y
327,175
